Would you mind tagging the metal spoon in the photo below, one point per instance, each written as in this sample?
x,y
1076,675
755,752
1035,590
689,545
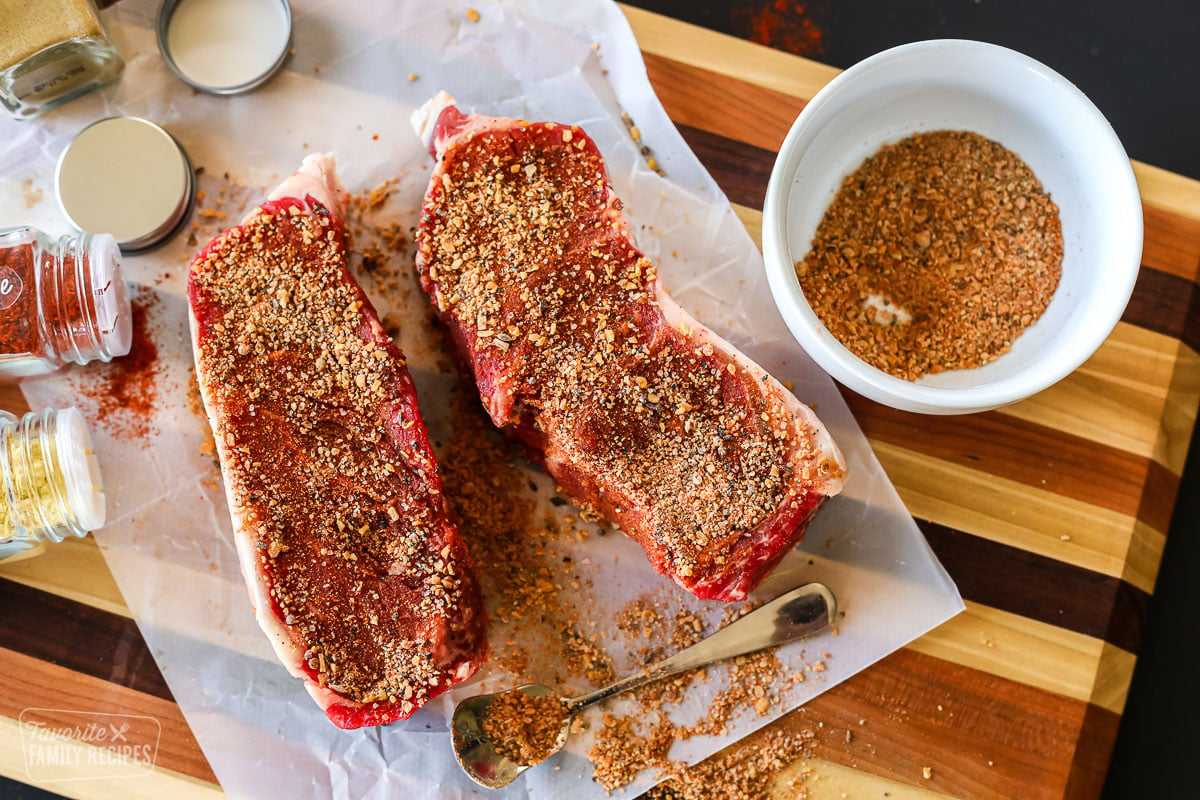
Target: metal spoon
x,y
793,615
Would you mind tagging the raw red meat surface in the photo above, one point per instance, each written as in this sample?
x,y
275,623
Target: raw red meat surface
x,y
645,417
357,576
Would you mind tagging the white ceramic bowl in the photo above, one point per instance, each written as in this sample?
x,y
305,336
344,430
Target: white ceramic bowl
x,y
1011,99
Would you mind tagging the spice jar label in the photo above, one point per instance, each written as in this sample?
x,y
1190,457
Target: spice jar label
x,y
11,287
50,77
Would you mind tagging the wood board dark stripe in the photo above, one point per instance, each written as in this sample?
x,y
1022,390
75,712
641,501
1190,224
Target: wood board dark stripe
x,y
1127,617
741,170
1166,304
1037,587
1089,765
1015,449
78,637
1158,497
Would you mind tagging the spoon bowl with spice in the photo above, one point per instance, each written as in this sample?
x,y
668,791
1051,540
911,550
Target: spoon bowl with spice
x,y
950,227
498,736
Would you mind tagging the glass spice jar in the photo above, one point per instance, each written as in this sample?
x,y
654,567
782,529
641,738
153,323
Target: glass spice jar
x,y
52,51
51,479
61,300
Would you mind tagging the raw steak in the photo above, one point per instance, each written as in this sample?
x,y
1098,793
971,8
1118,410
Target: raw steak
x,y
643,416
357,576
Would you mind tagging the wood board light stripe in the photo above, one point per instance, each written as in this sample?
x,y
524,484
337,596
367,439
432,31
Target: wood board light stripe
x,y
1018,697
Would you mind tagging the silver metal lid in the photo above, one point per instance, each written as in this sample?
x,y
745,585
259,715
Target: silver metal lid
x,y
225,46
128,177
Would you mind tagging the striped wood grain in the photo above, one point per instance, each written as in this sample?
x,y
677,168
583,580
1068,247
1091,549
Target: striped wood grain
x,y
1106,445
71,671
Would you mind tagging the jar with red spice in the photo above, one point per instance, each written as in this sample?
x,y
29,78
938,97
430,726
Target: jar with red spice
x,y
61,301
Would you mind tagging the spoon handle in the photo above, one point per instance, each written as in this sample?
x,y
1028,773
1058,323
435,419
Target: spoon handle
x,y
793,615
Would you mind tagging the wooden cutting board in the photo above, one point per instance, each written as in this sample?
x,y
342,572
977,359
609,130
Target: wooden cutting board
x,y
1051,515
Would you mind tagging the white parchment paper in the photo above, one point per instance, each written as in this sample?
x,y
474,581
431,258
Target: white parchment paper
x,y
348,90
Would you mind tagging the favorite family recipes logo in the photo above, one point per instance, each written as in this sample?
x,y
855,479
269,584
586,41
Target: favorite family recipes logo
x,y
64,745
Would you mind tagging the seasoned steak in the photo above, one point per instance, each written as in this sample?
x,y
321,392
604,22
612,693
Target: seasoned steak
x,y
357,576
643,416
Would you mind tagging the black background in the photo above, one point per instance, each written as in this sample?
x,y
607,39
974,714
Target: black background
x,y
1139,62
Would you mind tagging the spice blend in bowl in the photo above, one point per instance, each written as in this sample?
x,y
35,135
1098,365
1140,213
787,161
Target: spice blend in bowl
x,y
1000,331
936,254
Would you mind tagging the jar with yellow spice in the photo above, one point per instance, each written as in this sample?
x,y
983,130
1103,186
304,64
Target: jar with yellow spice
x,y
51,481
52,51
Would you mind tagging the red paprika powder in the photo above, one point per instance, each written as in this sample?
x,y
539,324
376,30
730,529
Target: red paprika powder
x,y
61,300
18,304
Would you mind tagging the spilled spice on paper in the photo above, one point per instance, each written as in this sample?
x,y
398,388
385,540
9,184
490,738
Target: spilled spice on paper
x,y
524,572
121,397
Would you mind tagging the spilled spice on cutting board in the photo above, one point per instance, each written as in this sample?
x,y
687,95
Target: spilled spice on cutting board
x,y
936,254
782,24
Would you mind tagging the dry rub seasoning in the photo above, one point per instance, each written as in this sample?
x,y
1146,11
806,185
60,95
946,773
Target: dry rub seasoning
x,y
936,254
525,728
538,636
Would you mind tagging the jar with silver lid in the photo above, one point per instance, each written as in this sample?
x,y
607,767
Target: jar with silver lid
x,y
128,177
